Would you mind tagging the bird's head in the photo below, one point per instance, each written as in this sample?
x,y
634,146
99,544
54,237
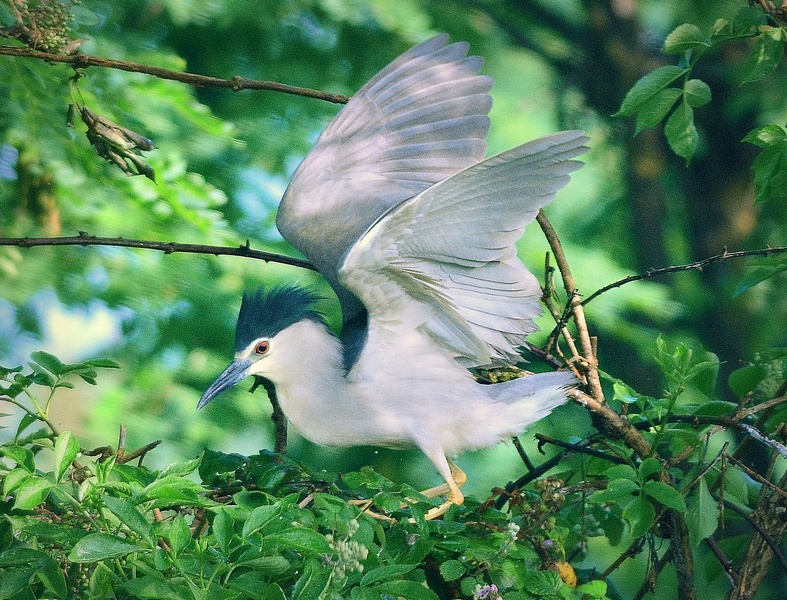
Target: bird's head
x,y
272,329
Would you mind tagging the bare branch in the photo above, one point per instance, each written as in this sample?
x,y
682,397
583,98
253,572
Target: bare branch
x,y
84,239
695,266
586,346
236,84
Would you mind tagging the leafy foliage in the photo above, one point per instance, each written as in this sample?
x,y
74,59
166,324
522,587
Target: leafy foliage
x,y
80,524
92,525
253,527
653,97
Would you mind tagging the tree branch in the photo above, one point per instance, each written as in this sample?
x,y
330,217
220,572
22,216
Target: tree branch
x,y
591,370
695,266
236,84
84,239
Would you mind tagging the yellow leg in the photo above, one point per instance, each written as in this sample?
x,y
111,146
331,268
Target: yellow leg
x,y
456,479
366,505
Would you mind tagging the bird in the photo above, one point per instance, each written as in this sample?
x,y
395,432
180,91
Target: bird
x,y
415,231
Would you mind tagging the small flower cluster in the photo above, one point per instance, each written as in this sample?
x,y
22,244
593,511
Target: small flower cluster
x,y
44,25
488,592
349,553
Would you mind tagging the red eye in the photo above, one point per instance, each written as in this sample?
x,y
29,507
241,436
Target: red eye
x,y
262,347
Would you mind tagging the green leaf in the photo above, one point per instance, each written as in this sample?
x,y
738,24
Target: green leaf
x,y
100,546
649,467
179,535
748,20
765,55
412,590
312,583
53,578
647,87
767,135
66,450
102,363
681,132
6,533
640,515
763,270
388,502
684,37
452,570
697,93
722,29
702,517
594,589
656,108
770,174
50,362
665,494
131,517
386,572
150,586
746,379
616,489
300,539
101,581
542,583
14,479
267,565
32,492
23,457
251,583
181,468
223,529
174,490
259,517
621,472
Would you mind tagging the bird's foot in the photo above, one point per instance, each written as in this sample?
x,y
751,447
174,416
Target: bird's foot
x,y
365,506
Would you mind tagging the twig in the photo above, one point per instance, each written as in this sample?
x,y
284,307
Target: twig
x,y
756,476
772,544
544,439
121,444
237,83
698,265
630,552
591,371
85,239
522,454
278,418
725,562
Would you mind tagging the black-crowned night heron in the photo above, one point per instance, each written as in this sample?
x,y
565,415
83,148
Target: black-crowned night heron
x,y
417,234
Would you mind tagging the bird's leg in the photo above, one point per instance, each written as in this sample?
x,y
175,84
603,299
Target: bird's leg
x,y
366,507
454,477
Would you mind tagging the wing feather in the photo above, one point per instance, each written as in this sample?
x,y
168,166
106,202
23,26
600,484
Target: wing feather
x,y
418,121
444,262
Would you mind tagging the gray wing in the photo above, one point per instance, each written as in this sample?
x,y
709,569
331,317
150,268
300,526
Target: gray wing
x,y
418,121
445,263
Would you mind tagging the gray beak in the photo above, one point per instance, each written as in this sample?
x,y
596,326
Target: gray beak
x,y
236,372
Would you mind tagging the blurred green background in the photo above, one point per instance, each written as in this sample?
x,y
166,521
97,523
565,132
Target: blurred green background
x,y
224,158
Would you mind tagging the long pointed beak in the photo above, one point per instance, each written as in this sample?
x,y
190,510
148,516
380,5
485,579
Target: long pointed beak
x,y
236,372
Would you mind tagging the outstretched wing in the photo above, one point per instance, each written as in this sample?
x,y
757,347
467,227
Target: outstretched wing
x,y
444,262
418,121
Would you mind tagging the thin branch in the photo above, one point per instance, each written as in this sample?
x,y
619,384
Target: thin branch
x,y
580,448
591,371
695,266
236,84
84,239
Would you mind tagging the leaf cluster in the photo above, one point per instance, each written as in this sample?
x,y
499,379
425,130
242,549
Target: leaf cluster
x,y
670,92
74,525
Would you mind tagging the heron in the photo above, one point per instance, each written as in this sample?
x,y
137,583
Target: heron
x,y
416,231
